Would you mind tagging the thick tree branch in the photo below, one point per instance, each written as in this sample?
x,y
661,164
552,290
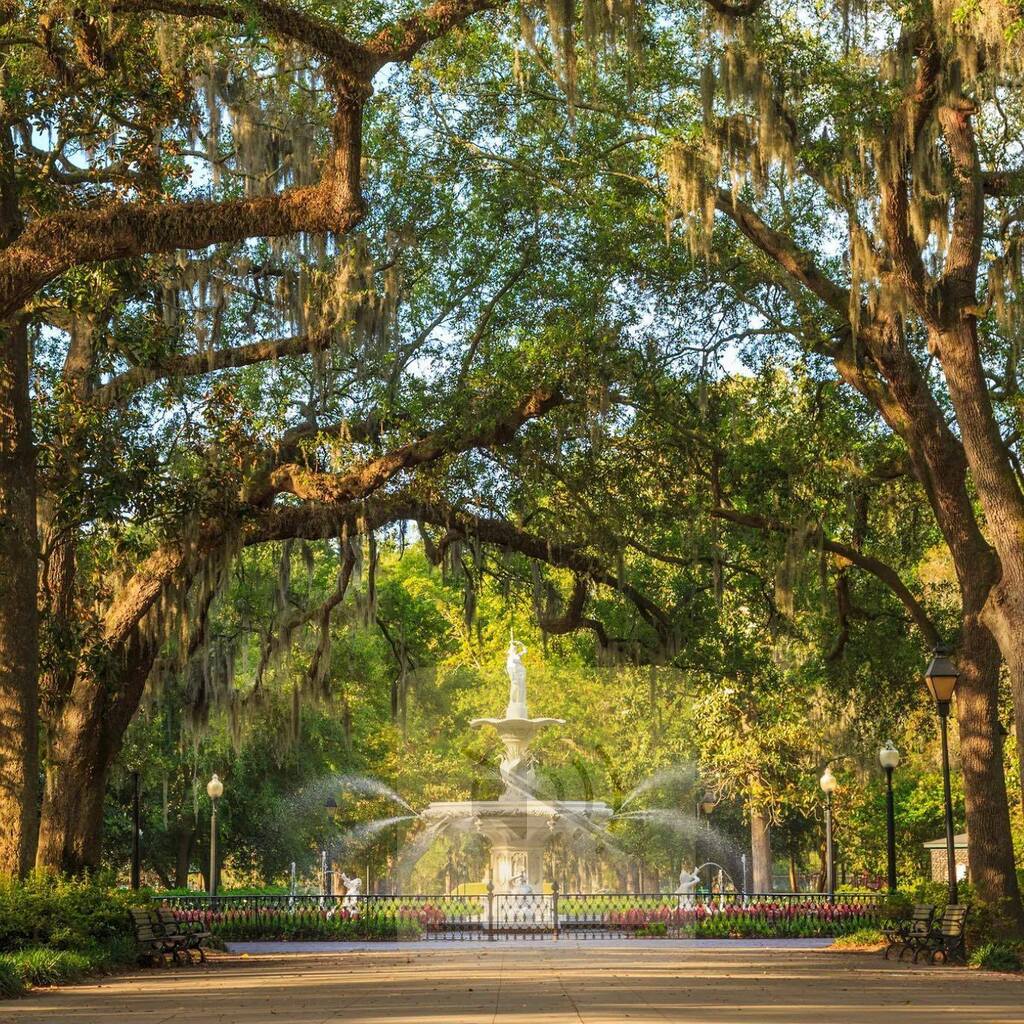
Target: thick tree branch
x,y
905,136
283,20
963,254
875,566
360,482
54,244
784,251
1003,183
402,39
123,386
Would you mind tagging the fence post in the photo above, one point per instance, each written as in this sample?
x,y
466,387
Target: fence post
x,y
554,907
490,910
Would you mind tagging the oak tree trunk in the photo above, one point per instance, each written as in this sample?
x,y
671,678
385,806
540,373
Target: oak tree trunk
x,y
84,741
19,626
990,846
760,852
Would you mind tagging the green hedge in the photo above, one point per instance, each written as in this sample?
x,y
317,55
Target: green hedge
x,y
58,930
63,913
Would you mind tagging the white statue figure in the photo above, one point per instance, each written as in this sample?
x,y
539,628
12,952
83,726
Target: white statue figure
x,y
688,882
353,890
516,678
521,885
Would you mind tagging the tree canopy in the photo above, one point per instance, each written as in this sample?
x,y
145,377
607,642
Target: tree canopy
x,y
338,340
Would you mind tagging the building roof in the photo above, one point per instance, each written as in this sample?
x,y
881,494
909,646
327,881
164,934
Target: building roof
x,y
959,843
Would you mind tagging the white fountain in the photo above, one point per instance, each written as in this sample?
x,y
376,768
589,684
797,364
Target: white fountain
x,y
518,825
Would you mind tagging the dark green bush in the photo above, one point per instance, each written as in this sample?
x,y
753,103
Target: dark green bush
x,y
998,956
63,913
11,985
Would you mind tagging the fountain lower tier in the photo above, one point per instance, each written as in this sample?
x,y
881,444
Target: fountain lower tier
x,y
518,829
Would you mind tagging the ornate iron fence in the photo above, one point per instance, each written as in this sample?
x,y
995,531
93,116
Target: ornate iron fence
x,y
530,916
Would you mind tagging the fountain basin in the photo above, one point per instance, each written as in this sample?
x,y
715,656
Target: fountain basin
x,y
518,829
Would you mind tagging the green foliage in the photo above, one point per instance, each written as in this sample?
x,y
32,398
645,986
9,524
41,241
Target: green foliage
x,y
869,937
998,956
11,984
44,965
63,914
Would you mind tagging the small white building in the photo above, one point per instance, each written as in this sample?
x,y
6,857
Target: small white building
x,y
937,852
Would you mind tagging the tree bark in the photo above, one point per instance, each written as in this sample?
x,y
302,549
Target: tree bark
x,y
998,492
183,854
990,846
19,623
84,740
760,852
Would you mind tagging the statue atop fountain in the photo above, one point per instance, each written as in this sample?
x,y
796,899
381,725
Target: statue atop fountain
x,y
516,679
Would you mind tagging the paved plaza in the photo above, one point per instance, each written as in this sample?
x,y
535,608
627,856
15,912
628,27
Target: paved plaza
x,y
525,983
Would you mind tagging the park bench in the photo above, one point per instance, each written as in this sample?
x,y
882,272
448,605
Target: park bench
x,y
193,934
903,935
947,940
153,942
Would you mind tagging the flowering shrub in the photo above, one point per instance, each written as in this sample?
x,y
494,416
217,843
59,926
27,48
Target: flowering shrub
x,y
789,919
396,919
250,924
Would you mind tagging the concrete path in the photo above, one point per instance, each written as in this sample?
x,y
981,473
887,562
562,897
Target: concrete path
x,y
529,983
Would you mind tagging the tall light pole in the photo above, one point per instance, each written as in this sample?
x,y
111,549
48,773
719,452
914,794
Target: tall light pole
x,y
828,785
889,758
214,790
332,809
941,677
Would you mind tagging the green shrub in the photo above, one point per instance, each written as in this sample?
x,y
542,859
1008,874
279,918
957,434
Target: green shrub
x,y
43,966
45,910
998,956
860,937
11,985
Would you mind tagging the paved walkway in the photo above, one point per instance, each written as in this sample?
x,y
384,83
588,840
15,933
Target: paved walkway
x,y
524,983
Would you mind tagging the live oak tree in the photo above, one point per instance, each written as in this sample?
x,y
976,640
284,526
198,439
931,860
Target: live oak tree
x,y
753,121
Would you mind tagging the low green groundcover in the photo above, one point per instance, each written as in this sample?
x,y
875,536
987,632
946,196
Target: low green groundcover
x,y
54,930
999,956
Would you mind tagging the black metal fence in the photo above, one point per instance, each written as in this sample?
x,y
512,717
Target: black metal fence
x,y
530,916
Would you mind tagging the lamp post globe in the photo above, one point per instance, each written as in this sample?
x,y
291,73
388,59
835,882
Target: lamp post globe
x,y
889,758
829,784
941,677
214,790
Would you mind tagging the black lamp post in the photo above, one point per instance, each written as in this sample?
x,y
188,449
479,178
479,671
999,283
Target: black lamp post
x,y
889,758
331,807
828,785
941,677
214,790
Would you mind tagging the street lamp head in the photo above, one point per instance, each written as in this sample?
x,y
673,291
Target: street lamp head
x,y
889,756
215,788
828,782
708,802
941,676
